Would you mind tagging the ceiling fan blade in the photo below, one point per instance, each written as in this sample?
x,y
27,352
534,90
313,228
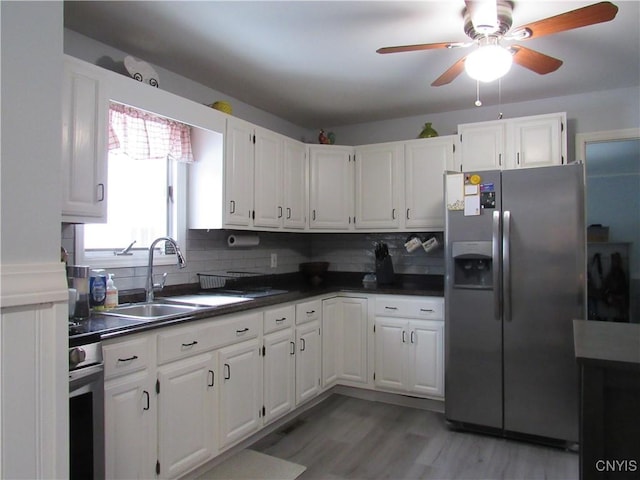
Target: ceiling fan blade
x,y
535,61
582,17
451,74
422,46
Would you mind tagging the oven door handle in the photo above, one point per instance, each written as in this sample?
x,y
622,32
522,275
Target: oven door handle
x,y
84,376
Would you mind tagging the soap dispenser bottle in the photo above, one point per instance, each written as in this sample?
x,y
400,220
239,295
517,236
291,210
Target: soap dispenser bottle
x,y
111,300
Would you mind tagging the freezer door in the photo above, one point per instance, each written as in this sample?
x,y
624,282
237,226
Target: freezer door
x,y
544,287
473,331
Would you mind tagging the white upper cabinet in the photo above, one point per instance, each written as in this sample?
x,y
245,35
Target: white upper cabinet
x,y
534,141
331,187
84,144
295,184
425,161
538,141
268,179
378,171
482,145
238,173
279,181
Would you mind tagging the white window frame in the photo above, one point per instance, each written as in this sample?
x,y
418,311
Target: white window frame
x,y
140,257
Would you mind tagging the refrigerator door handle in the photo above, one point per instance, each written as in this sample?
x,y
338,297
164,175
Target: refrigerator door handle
x,y
506,264
495,254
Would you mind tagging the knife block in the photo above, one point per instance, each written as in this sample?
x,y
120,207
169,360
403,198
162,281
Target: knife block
x,y
384,271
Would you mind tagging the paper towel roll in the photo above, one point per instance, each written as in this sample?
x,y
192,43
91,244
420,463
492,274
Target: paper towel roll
x,y
243,241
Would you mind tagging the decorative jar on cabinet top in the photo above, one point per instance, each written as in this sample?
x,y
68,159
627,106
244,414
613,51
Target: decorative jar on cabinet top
x,y
428,131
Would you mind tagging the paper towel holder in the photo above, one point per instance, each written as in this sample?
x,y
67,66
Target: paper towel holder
x,y
248,240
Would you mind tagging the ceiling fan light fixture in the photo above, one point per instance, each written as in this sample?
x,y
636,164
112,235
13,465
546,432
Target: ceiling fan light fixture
x,y
488,63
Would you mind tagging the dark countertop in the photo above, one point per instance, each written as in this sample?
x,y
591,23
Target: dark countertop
x,y
297,290
608,344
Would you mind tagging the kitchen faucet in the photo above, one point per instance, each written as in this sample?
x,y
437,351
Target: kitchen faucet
x,y
181,263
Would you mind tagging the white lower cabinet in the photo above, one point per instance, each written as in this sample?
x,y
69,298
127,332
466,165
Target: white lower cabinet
x,y
307,361
308,350
240,391
409,355
344,340
409,345
186,414
177,397
130,408
279,362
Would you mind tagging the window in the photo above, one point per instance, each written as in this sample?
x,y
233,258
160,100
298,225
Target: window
x,y
146,166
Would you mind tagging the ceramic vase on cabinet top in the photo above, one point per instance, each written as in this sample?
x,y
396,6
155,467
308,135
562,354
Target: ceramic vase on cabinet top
x,y
428,131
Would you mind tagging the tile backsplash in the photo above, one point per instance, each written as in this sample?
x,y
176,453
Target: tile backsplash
x,y
207,251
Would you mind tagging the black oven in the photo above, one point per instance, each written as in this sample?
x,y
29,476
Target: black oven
x,y
86,412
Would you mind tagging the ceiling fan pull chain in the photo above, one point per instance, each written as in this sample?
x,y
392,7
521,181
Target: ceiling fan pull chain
x,y
499,99
478,102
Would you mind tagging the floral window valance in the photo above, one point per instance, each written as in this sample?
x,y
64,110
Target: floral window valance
x,y
142,135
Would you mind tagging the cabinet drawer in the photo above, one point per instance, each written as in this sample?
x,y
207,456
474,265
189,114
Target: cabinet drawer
x,y
234,329
308,311
430,308
180,342
279,318
127,356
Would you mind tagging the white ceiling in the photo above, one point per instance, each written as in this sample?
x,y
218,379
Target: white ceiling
x,y
315,63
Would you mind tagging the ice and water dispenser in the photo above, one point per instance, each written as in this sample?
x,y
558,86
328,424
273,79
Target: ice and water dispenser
x,y
472,265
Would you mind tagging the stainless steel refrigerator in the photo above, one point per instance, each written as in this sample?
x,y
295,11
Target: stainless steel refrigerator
x,y
515,280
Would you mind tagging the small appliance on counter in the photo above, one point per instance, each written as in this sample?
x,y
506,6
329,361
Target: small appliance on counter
x,y
384,265
78,280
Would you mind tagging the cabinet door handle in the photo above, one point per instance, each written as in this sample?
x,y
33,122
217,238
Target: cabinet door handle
x,y
293,348
404,336
393,213
232,206
227,373
186,345
278,320
390,308
408,210
518,158
500,159
128,359
303,346
100,197
242,330
212,377
146,394
311,312
279,212
412,335
427,310
288,213
313,214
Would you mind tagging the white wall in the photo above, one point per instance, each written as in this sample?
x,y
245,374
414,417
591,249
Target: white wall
x,y
591,112
31,128
91,51
34,388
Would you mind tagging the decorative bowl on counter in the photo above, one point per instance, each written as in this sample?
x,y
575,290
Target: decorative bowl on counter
x,y
314,271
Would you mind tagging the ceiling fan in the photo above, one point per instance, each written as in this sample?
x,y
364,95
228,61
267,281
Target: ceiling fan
x,y
488,22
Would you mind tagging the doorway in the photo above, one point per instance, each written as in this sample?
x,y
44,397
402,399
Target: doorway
x,y
612,161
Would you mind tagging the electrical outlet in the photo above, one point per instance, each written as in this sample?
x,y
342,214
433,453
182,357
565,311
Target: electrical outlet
x,y
274,260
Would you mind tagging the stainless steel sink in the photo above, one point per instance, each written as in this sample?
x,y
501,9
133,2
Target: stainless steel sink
x,y
153,311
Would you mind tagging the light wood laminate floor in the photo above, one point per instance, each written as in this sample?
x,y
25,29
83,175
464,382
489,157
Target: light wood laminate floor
x,y
351,438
